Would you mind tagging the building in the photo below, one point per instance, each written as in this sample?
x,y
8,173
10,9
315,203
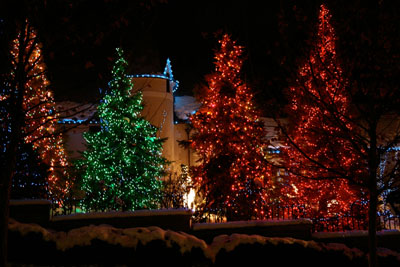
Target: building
x,y
167,112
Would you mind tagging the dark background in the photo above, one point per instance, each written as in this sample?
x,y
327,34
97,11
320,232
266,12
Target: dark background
x,y
79,38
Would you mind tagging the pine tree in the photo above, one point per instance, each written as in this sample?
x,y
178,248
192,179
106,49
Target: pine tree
x,y
40,113
30,178
320,117
123,162
232,175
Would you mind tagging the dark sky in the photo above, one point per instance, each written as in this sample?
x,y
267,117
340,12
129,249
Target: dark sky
x,y
184,31
79,38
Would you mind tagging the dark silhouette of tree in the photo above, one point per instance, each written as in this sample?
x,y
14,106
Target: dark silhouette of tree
x,y
30,178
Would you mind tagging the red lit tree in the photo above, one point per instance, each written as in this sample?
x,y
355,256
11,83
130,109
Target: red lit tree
x,y
40,115
348,128
320,118
232,175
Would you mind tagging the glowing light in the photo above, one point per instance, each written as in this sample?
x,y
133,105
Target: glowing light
x,y
319,132
190,199
123,162
41,118
167,75
228,139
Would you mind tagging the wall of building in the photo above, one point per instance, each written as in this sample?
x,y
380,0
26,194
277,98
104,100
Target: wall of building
x,y
158,103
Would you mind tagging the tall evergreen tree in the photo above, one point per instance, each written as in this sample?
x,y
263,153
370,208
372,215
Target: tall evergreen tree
x,y
232,175
40,114
123,161
320,121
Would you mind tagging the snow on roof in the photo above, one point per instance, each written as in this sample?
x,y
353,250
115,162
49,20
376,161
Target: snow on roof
x,y
20,202
185,106
113,214
243,224
75,112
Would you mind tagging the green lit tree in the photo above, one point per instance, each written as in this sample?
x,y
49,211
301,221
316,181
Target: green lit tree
x,y
123,161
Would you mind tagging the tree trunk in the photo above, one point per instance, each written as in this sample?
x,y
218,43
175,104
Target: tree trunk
x,y
372,225
5,189
373,193
6,180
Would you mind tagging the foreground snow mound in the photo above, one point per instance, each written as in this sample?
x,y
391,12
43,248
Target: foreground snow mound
x,y
30,243
240,249
151,246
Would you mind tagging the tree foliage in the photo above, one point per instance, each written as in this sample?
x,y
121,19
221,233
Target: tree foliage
x,y
123,162
232,175
344,107
38,105
320,154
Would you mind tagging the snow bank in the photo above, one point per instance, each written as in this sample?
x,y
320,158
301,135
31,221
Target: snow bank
x,y
224,245
153,244
26,228
232,242
229,243
385,252
348,252
128,238
254,223
120,214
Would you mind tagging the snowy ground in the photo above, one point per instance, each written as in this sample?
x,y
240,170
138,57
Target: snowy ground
x,y
152,246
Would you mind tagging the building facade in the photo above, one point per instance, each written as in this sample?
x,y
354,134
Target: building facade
x,y
159,108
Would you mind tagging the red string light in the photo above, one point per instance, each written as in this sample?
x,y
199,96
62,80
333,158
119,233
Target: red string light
x,y
319,108
41,115
229,140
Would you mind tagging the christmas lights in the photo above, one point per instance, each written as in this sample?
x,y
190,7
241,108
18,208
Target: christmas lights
x,y
41,118
319,110
76,121
232,176
123,162
167,75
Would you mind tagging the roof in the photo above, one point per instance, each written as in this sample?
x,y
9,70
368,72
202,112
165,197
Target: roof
x,y
167,75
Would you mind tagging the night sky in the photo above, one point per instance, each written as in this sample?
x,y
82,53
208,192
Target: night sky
x,y
79,38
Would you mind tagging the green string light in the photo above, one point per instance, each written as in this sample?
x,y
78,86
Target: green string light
x,y
123,162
